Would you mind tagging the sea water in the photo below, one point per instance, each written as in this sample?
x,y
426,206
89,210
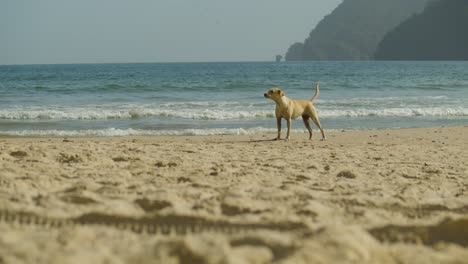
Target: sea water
x,y
226,98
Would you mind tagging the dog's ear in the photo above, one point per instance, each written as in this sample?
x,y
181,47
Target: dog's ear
x,y
281,93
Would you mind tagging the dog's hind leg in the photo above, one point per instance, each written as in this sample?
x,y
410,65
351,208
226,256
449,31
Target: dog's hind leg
x,y
317,122
307,125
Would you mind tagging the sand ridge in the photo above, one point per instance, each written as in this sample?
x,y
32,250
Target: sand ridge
x,y
342,190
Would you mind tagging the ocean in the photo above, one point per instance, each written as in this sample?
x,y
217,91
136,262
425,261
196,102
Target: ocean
x,y
226,98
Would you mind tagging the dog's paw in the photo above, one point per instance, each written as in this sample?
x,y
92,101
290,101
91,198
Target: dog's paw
x,y
323,139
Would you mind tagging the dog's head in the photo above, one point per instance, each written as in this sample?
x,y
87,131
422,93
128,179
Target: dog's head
x,y
274,94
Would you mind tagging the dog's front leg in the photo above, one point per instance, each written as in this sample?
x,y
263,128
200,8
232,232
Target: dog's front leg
x,y
278,124
289,128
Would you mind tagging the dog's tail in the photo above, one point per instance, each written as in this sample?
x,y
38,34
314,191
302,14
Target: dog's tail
x,y
317,88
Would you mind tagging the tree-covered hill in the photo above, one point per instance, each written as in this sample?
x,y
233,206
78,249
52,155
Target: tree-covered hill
x,y
440,32
354,29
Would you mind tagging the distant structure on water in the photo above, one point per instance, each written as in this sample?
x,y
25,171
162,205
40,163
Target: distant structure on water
x,y
279,58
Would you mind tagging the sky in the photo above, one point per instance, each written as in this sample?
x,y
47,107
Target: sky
x,y
114,31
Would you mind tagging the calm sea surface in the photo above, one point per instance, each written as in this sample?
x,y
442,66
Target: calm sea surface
x,y
225,98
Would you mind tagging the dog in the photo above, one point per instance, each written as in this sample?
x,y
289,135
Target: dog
x,y
291,109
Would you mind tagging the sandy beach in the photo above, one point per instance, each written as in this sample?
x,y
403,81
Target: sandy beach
x,y
382,196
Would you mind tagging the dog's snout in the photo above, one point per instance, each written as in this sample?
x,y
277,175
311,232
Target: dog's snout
x,y
265,95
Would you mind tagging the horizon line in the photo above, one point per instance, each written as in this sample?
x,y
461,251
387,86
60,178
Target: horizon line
x,y
159,62
195,62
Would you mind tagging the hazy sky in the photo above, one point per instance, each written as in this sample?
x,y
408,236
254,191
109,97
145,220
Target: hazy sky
x,y
89,31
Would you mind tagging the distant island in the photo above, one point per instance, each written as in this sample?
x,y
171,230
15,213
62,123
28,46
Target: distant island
x,y
440,32
354,30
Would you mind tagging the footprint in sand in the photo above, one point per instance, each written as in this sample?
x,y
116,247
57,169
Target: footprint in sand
x,y
451,231
161,164
18,154
346,174
152,205
78,199
77,195
67,158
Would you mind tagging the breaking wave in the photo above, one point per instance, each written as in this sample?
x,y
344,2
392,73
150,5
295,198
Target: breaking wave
x,y
220,113
112,132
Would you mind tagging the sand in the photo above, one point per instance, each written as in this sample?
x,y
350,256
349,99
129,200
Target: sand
x,y
386,196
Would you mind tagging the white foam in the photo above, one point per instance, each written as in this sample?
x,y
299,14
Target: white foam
x,y
380,100
113,132
96,114
222,111
395,112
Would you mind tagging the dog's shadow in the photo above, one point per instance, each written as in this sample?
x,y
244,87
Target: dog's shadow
x,y
256,141
265,140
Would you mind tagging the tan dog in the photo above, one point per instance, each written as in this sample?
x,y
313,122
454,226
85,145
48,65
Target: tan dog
x,y
291,109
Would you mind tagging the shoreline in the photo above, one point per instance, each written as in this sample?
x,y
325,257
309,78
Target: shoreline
x,y
342,188
334,136
283,131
